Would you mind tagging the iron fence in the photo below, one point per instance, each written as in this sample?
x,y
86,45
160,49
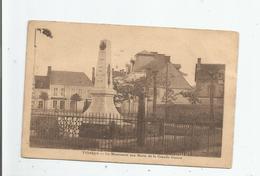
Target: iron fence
x,y
105,132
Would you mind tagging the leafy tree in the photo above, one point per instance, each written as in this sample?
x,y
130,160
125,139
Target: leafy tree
x,y
138,90
44,97
192,95
171,96
165,79
128,89
75,97
123,91
134,88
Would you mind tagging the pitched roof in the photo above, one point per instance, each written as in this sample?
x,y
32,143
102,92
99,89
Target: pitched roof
x,y
69,78
158,62
150,60
42,82
203,71
175,78
144,52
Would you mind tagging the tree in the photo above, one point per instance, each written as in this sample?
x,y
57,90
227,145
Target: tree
x,y
127,89
75,97
171,96
138,90
192,95
165,79
124,91
44,97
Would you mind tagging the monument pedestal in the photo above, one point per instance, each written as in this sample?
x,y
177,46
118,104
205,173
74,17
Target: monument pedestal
x,y
102,103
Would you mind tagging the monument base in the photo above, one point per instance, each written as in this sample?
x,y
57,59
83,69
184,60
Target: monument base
x,y
102,104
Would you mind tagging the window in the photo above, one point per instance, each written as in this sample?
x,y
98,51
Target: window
x,y
62,104
72,91
54,105
88,94
221,81
40,105
158,92
150,92
211,90
220,76
221,91
72,105
55,92
62,91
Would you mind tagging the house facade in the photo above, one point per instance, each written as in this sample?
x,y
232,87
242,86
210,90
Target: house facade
x,y
61,90
210,77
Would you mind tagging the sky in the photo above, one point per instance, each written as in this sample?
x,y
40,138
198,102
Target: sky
x,y
75,46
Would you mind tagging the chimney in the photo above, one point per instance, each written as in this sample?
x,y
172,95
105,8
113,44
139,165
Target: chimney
x,y
93,75
198,63
132,64
177,66
167,59
49,70
199,60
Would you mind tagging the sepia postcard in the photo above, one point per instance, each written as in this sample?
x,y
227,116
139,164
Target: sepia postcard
x,y
129,94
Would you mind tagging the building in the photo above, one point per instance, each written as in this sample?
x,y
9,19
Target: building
x,y
159,70
61,90
207,77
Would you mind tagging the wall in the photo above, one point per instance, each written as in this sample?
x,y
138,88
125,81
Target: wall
x,y
203,86
84,93
36,99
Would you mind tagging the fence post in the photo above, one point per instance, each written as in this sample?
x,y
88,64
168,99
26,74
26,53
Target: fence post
x,y
140,121
214,135
184,139
112,130
208,139
192,137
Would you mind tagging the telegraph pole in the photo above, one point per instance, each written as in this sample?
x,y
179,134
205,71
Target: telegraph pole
x,y
154,92
166,103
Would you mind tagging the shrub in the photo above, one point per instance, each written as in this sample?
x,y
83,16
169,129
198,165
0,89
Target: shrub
x,y
105,131
94,131
46,127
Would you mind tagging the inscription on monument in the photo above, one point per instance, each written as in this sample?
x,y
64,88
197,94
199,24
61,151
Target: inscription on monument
x,y
101,68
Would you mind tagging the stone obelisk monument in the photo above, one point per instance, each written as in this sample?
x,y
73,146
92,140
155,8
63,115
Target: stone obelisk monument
x,y
103,93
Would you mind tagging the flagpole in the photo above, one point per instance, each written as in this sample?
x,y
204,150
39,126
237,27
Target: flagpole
x,y
34,46
48,33
34,59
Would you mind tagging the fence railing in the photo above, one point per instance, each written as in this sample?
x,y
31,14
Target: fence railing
x,y
106,132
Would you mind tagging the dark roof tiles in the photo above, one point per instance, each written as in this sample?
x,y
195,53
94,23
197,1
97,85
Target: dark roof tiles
x,y
41,82
203,71
175,78
69,78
